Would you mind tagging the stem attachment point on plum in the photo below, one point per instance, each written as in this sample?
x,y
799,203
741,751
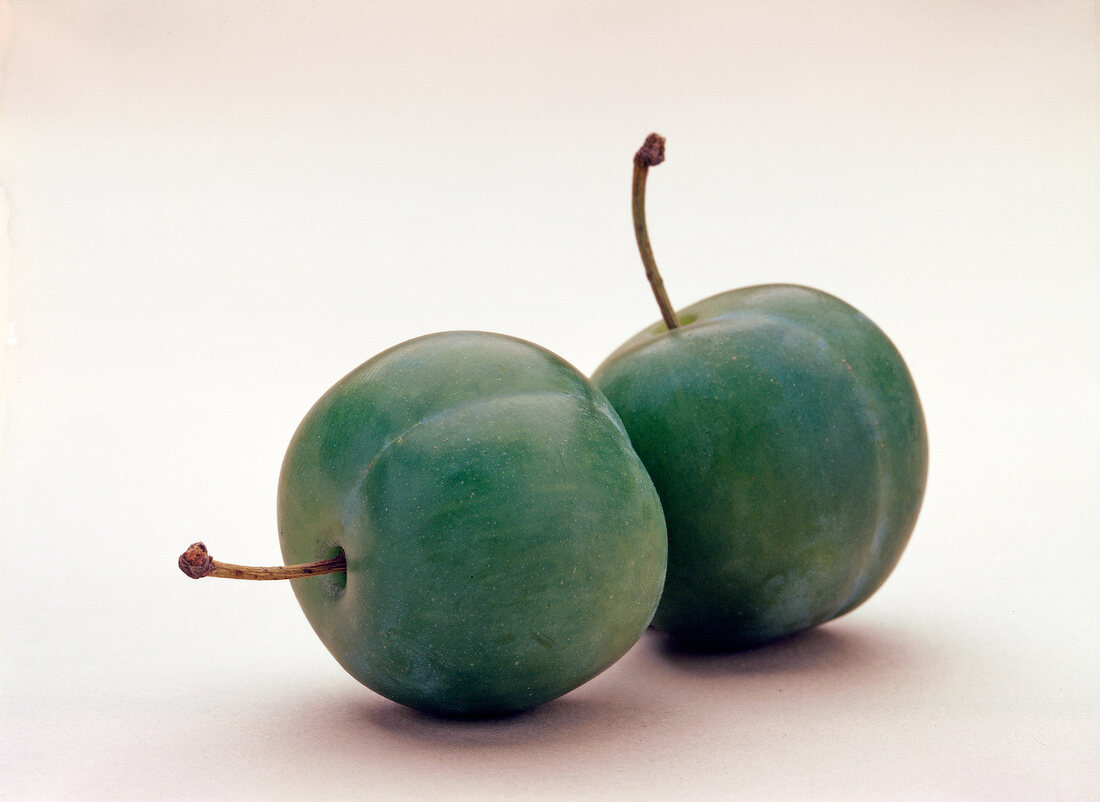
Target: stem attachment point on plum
x,y
650,154
196,562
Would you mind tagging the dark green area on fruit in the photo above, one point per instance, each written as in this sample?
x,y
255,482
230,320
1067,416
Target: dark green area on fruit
x,y
787,443
504,542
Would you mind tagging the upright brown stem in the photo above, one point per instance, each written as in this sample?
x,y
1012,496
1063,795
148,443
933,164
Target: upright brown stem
x,y
196,562
650,154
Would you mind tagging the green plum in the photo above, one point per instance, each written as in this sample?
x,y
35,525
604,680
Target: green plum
x,y
788,446
503,543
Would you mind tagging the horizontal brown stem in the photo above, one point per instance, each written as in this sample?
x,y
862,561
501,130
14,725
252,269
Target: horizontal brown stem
x,y
196,562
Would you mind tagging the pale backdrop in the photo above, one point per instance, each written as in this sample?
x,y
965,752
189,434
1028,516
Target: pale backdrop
x,y
214,210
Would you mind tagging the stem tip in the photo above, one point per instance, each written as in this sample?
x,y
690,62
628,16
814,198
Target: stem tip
x,y
652,151
196,562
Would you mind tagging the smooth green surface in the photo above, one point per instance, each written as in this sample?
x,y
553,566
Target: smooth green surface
x,y
504,542
787,443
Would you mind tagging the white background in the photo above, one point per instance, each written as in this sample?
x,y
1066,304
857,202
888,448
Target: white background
x,y
215,210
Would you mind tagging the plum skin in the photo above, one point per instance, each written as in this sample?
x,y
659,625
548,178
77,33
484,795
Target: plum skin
x,y
788,445
504,543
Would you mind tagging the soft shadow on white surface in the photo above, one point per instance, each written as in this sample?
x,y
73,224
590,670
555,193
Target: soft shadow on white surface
x,y
830,650
650,689
824,657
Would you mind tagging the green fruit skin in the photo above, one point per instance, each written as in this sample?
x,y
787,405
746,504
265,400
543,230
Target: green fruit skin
x,y
504,542
787,443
